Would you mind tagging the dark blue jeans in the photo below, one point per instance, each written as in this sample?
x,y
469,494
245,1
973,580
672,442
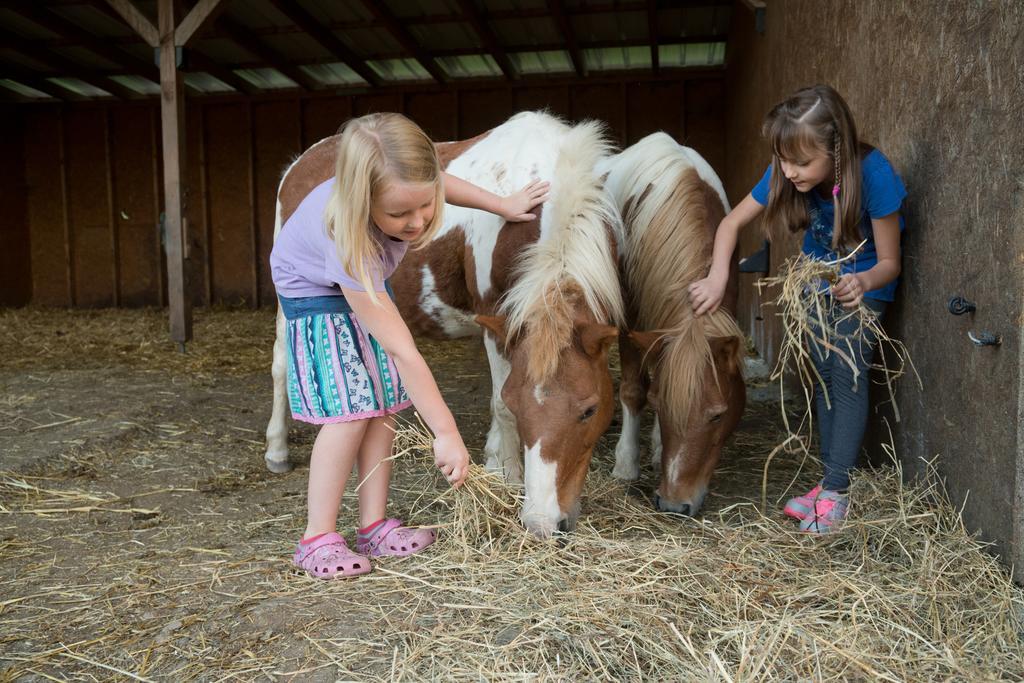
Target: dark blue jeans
x,y
841,426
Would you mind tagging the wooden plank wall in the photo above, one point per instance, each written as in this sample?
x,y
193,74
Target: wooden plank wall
x,y
90,224
15,273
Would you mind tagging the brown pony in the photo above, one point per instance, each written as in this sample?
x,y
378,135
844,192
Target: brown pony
x,y
546,293
671,203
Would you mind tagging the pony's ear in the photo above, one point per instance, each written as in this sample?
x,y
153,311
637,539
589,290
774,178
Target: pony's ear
x,y
648,342
725,350
495,325
596,338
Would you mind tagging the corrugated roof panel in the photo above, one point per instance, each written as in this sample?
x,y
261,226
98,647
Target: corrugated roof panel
x,y
224,51
94,21
370,41
617,58
258,14
138,84
23,90
87,59
469,66
446,36
204,82
692,54
399,69
296,47
79,87
547,62
404,9
504,5
335,73
532,30
610,26
328,11
15,57
266,79
694,21
26,28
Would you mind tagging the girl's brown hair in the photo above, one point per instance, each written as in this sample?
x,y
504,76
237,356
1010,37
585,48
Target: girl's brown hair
x,y
375,150
814,119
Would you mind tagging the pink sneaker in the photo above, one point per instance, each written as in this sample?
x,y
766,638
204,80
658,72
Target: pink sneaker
x,y
830,510
802,506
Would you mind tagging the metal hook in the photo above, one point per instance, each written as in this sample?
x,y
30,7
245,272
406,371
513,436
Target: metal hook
x,y
985,339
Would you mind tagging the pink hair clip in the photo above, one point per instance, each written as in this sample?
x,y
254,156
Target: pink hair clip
x,y
835,190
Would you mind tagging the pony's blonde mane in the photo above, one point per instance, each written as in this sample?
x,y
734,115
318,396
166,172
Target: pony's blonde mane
x,y
668,246
573,263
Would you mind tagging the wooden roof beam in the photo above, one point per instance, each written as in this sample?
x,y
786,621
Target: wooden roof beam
x,y
405,39
557,10
136,20
490,41
327,40
200,16
240,35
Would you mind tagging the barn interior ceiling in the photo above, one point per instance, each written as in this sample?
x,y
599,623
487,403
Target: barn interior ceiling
x,y
86,50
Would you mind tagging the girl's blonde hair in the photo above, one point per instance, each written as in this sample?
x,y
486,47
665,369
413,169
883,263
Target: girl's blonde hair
x,y
815,119
373,151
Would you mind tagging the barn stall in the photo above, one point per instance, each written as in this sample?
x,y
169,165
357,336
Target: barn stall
x,y
143,539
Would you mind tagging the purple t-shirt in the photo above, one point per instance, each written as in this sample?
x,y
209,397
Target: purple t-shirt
x,y
304,261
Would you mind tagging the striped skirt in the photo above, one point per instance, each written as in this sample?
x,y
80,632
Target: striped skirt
x,y
337,372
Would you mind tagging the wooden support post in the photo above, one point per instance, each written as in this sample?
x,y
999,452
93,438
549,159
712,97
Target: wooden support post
x,y
172,115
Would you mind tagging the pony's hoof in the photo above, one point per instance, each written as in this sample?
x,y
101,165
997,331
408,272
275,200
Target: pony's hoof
x,y
278,465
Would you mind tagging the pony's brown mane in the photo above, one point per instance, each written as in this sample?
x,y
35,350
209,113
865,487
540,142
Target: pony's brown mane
x,y
670,224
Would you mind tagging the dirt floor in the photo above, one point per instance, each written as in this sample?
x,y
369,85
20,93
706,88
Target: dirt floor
x,y
142,538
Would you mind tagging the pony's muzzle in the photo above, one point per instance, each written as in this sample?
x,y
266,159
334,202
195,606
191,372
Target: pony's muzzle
x,y
678,508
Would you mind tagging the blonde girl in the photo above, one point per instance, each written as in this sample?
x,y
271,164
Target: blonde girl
x,y
352,362
841,192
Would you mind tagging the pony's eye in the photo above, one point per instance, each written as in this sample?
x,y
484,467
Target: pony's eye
x,y
716,418
588,413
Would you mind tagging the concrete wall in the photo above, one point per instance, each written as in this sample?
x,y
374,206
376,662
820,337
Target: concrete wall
x,y
939,87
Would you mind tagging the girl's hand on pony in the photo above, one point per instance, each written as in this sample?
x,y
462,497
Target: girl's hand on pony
x,y
849,290
452,458
515,208
706,295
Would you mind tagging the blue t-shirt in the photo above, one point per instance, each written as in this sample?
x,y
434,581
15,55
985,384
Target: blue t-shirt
x,y
882,193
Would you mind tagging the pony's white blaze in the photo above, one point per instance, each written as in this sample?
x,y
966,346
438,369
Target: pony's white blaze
x,y
454,322
541,513
538,394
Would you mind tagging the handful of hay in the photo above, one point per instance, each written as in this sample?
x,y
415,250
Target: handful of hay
x,y
810,316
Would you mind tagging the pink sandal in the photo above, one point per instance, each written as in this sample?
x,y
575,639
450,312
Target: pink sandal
x,y
330,556
391,538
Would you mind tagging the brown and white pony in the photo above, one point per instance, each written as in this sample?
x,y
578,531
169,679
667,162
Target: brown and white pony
x,y
671,203
545,292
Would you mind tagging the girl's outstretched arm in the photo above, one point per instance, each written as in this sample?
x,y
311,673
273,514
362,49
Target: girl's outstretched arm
x,y
385,323
706,295
514,208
